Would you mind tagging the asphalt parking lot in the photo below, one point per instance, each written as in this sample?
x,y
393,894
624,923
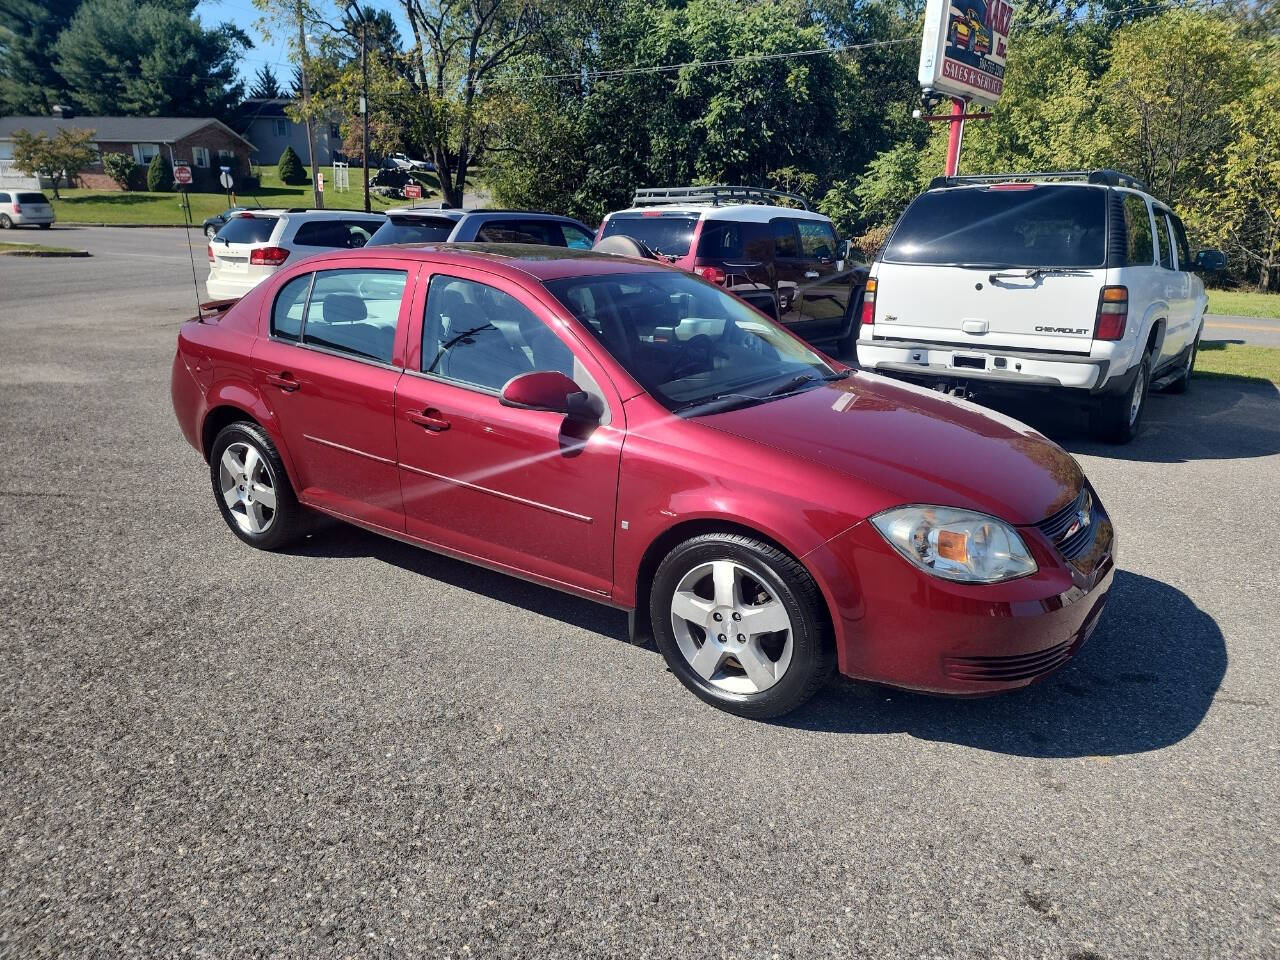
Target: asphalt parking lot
x,y
361,749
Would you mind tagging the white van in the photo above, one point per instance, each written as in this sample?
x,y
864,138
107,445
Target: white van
x,y
1075,284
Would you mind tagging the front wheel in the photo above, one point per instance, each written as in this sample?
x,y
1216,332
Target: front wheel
x,y
1118,418
740,624
252,489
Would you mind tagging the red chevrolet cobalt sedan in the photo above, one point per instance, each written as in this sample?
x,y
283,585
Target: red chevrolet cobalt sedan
x,y
627,432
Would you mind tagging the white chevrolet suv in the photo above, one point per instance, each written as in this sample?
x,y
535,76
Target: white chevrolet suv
x,y
254,244
1077,285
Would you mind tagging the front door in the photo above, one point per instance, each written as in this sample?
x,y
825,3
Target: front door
x,y
326,369
526,489
826,285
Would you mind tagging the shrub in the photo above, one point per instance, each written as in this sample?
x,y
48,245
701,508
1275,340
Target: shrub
x,y
290,167
119,167
869,243
159,176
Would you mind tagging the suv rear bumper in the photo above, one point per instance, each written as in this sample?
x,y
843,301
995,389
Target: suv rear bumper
x,y
1021,368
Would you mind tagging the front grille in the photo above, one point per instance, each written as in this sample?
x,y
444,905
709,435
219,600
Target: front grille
x,y
1021,667
1058,527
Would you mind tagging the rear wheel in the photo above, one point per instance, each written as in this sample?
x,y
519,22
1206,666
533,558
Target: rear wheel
x,y
739,623
1118,418
252,489
5,222
45,226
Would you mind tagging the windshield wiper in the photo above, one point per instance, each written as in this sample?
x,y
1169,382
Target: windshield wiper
x,y
731,400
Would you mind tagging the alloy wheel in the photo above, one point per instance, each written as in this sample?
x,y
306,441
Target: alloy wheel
x,y
731,627
248,487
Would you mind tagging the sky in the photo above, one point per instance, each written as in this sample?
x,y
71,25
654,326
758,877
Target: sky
x,y
244,15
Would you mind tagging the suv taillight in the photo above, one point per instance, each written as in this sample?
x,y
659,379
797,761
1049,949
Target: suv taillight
x,y
17,208
211,253
268,256
710,274
1113,311
869,303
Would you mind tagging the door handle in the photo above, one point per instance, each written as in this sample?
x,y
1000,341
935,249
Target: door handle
x,y
811,274
283,381
429,418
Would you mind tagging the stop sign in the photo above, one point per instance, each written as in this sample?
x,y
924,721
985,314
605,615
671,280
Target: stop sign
x,y
182,174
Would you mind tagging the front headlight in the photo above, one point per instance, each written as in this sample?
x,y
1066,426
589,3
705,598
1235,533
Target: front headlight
x,y
956,544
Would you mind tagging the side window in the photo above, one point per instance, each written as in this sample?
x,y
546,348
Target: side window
x,y
355,311
575,238
1180,237
4,198
817,240
291,303
720,239
1166,245
540,232
785,244
1138,228
482,337
338,234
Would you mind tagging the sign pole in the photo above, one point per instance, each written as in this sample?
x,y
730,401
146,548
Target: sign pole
x,y
956,123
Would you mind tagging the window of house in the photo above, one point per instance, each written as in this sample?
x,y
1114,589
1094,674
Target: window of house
x,y
200,156
226,157
280,127
333,131
143,153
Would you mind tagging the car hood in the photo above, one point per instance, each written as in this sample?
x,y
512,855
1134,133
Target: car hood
x,y
916,445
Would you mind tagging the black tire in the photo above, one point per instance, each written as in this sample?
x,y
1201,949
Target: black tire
x,y
1112,419
1183,380
45,226
781,576
5,222
288,519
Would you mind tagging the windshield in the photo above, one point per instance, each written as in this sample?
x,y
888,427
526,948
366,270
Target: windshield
x,y
665,233
1020,225
692,346
413,230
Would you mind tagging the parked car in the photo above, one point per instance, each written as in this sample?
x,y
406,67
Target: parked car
x,y
786,261
22,208
402,161
254,244
215,223
1076,287
448,225
627,432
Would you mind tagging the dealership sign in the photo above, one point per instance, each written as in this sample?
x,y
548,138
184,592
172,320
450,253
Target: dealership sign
x,y
964,48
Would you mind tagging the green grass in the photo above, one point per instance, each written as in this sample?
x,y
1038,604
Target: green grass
x,y
1244,303
158,209
7,246
1239,361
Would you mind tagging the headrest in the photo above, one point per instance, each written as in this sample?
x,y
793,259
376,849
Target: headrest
x,y
344,308
458,315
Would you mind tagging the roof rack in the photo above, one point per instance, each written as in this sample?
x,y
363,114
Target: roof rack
x,y
1109,178
327,210
714,194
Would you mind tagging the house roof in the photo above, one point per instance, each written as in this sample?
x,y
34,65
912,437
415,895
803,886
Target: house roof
x,y
258,108
116,129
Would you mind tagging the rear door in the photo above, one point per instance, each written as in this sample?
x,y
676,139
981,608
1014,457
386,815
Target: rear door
x,y
826,287
1175,285
1014,265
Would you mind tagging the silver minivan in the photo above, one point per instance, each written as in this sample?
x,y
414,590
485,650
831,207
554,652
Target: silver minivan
x,y
23,208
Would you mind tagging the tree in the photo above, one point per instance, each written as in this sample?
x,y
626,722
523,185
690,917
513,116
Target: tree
x,y
147,58
290,167
1241,211
266,86
159,176
1167,112
119,167
30,82
41,155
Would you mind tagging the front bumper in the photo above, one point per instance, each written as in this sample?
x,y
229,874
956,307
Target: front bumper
x,y
903,627
938,361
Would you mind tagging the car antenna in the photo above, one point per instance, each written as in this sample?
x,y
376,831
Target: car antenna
x,y
195,282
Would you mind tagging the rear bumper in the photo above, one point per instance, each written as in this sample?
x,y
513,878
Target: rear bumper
x,y
31,220
897,625
1014,368
230,288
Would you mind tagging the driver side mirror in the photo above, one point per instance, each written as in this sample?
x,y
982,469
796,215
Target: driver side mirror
x,y
1209,261
553,392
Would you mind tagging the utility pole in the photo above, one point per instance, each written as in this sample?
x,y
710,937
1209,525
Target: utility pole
x,y
306,107
364,98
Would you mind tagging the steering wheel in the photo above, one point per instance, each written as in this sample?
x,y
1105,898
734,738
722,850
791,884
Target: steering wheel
x,y
696,356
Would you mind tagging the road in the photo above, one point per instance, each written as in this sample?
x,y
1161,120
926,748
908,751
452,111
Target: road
x,y
360,749
1259,331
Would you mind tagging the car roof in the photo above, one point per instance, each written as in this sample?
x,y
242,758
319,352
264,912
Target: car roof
x,y
308,214
507,259
454,213
752,212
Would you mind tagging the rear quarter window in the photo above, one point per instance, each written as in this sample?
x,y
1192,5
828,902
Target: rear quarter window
x,y
248,229
720,239
1033,226
1137,224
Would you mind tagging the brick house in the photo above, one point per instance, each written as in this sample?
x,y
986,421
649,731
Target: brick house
x,y
201,142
